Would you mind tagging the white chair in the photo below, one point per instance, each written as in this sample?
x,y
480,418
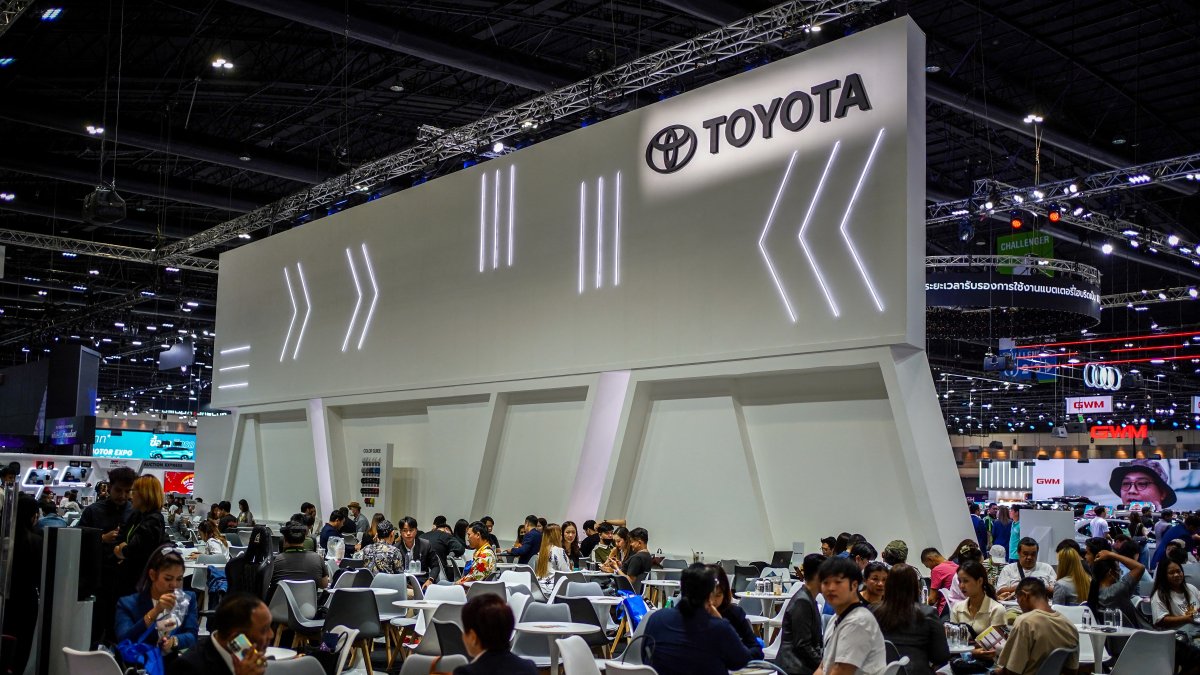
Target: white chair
x,y
90,663
305,665
446,593
576,656
517,602
1075,614
1147,652
630,668
771,651
421,664
347,648
894,667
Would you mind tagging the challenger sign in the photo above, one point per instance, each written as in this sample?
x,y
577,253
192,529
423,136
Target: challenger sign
x,y
1086,404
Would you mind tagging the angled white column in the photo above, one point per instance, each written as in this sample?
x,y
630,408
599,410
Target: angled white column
x,y
319,427
606,403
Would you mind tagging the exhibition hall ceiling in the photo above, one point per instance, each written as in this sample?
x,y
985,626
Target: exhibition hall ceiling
x,y
211,109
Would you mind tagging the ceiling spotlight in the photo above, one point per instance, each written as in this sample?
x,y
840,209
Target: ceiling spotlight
x,y
1106,248
396,87
497,147
1162,296
244,235
1077,212
1054,216
6,61
1071,189
244,158
1173,240
171,269
1138,179
7,196
1039,195
51,14
1033,118
1015,220
94,130
933,69
222,64
1192,292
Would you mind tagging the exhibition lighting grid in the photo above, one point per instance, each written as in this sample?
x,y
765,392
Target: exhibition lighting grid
x,y
1066,266
723,43
1175,168
110,251
95,311
1139,298
10,11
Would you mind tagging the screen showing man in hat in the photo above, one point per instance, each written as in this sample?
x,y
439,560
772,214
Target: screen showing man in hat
x,y
1143,480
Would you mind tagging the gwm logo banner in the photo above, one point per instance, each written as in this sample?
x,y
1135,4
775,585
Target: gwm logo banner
x,y
1111,431
673,147
1085,404
1047,481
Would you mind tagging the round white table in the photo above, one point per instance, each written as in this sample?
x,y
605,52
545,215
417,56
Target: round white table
x,y
1098,634
426,607
554,630
964,649
596,573
203,566
381,592
657,596
280,653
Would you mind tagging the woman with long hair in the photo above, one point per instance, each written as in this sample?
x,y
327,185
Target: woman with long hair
x,y
1174,604
245,518
692,638
980,610
1073,582
371,535
551,557
621,551
214,542
158,592
144,531
1002,528
570,535
875,576
1110,590
914,628
460,530
722,600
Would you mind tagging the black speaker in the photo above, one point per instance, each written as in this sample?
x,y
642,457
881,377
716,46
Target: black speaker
x,y
91,555
71,390
103,207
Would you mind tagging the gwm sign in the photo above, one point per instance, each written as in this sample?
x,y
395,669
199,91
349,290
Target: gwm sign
x,y
1111,431
1047,481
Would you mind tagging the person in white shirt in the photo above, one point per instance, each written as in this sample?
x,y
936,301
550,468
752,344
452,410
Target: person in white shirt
x,y
1099,524
1027,565
71,503
1174,602
853,641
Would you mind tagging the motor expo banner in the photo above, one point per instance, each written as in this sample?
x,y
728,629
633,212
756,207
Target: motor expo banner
x,y
1164,483
1087,404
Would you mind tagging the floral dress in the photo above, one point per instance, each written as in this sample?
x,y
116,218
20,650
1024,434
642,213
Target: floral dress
x,y
483,564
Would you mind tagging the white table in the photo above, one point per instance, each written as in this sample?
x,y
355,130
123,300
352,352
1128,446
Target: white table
x,y
657,597
426,607
280,653
1098,634
381,592
965,649
596,573
554,630
203,566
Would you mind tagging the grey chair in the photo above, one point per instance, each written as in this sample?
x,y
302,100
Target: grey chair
x,y
450,638
305,665
741,577
293,606
583,611
357,578
534,647
674,564
429,645
1056,661
355,608
577,590
420,664
233,538
484,587
1147,652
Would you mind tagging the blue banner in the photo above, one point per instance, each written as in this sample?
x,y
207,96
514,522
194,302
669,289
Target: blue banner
x,y
123,444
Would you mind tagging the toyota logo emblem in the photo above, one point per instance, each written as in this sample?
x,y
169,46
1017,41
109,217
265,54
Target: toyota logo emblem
x,y
671,149
1099,376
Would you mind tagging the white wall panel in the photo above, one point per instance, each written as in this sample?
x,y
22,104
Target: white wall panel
x,y
287,455
457,435
246,478
692,488
537,461
214,445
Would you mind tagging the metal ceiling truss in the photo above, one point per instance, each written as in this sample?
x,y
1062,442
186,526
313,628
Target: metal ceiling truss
x,y
737,38
1154,297
1151,173
992,261
96,311
10,11
110,251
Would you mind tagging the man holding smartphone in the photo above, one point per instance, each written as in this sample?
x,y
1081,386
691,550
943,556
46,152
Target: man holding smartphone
x,y
237,645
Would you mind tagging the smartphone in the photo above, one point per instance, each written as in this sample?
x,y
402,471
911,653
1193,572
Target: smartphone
x,y
240,647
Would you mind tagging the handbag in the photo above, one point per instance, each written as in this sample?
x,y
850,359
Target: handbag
x,y
327,651
634,607
140,655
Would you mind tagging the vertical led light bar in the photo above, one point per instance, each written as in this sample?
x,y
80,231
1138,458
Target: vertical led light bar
x,y
307,310
599,231
496,222
582,230
374,298
862,269
512,200
482,216
357,303
617,232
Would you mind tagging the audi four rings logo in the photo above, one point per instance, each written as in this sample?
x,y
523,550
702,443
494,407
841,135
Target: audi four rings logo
x,y
1098,376
671,149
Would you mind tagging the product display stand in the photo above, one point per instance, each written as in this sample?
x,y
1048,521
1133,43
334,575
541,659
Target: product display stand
x,y
373,478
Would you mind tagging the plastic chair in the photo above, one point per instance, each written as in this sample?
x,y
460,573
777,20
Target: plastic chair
x,y
305,665
517,602
583,611
450,638
742,576
674,564
485,587
630,668
358,578
1075,614
420,664
894,667
430,645
576,656
299,606
344,655
588,588
1057,660
535,647
355,608
1191,573
233,538
90,663
1147,652
446,593
397,582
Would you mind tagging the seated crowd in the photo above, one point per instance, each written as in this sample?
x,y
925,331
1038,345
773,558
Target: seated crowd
x,y
852,610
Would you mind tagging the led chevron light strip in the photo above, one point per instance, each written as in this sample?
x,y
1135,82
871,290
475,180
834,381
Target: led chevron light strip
x,y
767,228
295,311
808,218
307,310
357,303
374,298
862,269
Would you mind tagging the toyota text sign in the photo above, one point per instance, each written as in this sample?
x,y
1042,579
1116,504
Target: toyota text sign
x,y
1089,404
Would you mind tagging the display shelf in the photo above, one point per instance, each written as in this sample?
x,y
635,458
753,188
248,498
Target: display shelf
x,y
373,476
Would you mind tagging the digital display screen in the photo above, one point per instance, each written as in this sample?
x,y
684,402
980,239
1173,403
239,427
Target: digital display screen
x,y
124,444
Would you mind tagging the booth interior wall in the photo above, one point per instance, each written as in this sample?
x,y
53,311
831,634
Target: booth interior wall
x,y
287,463
214,447
412,459
457,438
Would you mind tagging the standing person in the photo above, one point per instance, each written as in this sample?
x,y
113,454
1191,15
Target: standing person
x,y
941,575
239,613
1002,529
154,600
245,517
108,514
1111,590
356,516
1014,533
531,541
980,610
800,641
1037,632
1099,525
853,641
551,558
1027,565
692,638
144,533
1074,583
483,562
914,629
875,579
829,546
981,533
26,578
487,624
570,536
722,600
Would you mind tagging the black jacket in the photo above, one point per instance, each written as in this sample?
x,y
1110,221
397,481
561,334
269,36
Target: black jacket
x,y
144,532
923,642
203,659
801,645
423,551
736,616
498,663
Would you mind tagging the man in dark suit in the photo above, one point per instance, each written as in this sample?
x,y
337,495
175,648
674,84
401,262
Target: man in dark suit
x,y
801,645
415,548
444,543
239,614
487,624
531,544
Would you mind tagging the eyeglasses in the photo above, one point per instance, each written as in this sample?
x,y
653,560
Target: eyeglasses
x,y
1138,485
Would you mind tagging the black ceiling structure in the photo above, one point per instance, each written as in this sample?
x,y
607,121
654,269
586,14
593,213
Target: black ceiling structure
x,y
214,108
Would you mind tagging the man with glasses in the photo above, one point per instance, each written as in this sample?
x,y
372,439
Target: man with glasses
x,y
1143,480
1037,632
